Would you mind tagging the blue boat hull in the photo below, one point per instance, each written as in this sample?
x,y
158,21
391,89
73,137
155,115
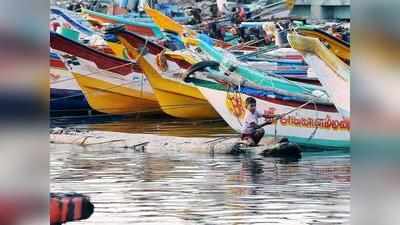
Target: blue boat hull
x,y
63,100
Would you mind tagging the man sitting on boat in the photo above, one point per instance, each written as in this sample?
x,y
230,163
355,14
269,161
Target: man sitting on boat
x,y
251,131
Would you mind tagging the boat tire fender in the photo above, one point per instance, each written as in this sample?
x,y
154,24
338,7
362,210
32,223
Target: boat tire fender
x,y
200,66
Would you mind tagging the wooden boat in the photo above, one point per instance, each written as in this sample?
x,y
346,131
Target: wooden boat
x,y
316,124
309,120
271,64
310,123
340,48
330,70
264,9
72,19
65,94
175,97
158,144
169,25
86,33
280,56
229,63
111,85
142,28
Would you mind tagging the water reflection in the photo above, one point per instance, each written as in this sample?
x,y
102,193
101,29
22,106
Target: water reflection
x,y
185,188
129,187
149,125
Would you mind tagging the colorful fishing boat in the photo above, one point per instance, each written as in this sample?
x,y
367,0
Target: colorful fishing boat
x,y
74,27
65,94
273,62
279,57
175,97
333,73
339,47
315,125
169,25
307,121
263,79
262,9
146,29
111,85
270,61
74,21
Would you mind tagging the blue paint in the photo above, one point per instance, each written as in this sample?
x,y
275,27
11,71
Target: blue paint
x,y
64,100
64,14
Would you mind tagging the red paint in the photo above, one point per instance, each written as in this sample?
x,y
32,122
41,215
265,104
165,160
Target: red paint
x,y
102,60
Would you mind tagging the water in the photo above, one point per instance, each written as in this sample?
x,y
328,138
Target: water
x,y
138,188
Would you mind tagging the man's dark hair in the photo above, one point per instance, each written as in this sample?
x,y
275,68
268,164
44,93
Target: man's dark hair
x,y
250,100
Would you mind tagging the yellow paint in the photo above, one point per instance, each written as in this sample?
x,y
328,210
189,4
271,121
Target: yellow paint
x,y
167,23
235,104
314,45
175,98
106,97
339,49
190,41
290,4
118,49
186,57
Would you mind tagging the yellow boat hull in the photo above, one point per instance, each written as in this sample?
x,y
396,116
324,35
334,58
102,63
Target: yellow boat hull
x,y
339,49
314,45
175,98
181,101
108,98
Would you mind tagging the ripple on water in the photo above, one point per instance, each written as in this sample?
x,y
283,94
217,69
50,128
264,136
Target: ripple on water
x,y
128,187
139,188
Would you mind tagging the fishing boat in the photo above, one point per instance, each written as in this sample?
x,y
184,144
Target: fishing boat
x,y
74,27
319,127
339,47
333,73
280,57
307,121
111,85
315,124
65,94
231,64
175,97
278,62
262,9
74,21
143,28
316,121
169,25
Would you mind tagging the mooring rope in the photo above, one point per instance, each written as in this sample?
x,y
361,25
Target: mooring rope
x,y
96,72
95,92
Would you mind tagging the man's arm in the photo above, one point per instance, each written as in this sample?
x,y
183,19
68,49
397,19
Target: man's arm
x,y
269,118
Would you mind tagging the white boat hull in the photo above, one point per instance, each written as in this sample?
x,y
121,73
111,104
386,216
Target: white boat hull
x,y
300,126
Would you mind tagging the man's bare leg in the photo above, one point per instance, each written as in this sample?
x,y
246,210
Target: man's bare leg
x,y
258,136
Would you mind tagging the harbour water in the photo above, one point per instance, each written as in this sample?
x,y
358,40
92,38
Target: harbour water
x,y
139,188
